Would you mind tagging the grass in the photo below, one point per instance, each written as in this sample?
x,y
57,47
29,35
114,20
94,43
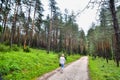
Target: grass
x,y
19,65
99,69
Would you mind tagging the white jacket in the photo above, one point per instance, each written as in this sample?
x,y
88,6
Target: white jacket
x,y
62,60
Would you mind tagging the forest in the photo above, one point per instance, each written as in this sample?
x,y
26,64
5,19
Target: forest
x,y
57,32
24,24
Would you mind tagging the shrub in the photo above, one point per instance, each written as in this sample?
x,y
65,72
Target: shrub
x,y
6,43
15,47
3,48
27,49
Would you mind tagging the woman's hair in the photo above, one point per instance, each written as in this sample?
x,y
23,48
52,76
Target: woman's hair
x,y
62,55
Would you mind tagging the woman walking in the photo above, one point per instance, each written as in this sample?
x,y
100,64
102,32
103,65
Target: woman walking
x,y
62,62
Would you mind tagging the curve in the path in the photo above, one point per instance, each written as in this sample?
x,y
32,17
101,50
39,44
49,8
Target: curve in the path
x,y
77,70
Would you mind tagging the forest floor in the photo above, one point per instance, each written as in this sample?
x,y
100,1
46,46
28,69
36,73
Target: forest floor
x,y
77,70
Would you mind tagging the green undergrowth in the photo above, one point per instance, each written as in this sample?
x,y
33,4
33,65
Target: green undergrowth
x,y
99,69
19,65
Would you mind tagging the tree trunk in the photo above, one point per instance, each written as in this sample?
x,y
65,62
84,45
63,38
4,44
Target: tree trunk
x,y
4,27
60,47
4,22
31,38
49,32
49,36
13,31
117,33
18,36
27,27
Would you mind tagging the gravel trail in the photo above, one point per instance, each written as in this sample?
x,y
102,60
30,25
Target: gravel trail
x,y
77,70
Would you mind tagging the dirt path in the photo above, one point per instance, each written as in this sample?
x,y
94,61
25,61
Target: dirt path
x,y
77,70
